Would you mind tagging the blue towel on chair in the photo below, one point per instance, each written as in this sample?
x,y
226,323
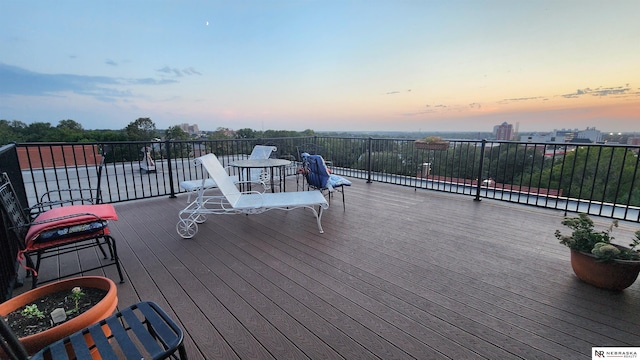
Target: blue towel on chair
x,y
336,180
319,176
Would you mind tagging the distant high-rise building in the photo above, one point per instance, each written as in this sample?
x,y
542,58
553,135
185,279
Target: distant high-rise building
x,y
564,135
575,135
592,134
190,129
536,138
633,140
503,131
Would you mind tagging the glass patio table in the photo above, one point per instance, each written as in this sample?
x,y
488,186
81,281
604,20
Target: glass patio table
x,y
271,164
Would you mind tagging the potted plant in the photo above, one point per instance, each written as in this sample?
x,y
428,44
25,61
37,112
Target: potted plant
x,y
74,287
595,259
432,143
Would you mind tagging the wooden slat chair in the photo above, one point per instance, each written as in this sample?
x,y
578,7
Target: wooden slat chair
x,y
141,331
58,231
233,201
318,177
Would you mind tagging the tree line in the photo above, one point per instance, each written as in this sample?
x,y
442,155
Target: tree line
x,y
141,129
610,174
603,173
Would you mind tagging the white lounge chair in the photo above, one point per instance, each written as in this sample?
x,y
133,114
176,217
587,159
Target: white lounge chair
x,y
233,201
257,175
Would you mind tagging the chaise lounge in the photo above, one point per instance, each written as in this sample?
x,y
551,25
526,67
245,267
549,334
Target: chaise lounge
x,y
233,201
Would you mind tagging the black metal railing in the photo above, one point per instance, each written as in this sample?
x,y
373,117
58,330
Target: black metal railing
x,y
8,244
594,178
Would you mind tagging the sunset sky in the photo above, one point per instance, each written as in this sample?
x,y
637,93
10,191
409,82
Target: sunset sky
x,y
323,65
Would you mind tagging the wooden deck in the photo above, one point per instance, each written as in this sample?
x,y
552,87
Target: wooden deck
x,y
401,274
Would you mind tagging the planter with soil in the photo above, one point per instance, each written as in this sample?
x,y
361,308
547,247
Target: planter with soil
x,y
432,143
98,302
610,275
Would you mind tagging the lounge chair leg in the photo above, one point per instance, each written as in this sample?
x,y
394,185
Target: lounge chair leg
x,y
318,218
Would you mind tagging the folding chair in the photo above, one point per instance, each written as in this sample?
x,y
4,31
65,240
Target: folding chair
x,y
59,230
141,331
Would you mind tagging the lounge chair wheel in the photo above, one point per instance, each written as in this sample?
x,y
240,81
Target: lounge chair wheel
x,y
200,218
186,228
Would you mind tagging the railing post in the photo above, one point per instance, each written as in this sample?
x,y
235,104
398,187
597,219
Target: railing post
x,y
170,169
480,169
370,140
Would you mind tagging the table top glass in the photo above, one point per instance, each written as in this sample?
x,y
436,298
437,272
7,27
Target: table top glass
x,y
258,163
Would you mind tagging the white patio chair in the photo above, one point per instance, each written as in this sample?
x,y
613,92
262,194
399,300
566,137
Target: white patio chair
x,y
233,201
258,176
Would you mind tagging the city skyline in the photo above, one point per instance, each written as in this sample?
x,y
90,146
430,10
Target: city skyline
x,y
328,66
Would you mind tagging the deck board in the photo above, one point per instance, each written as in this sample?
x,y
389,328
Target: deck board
x,y
399,274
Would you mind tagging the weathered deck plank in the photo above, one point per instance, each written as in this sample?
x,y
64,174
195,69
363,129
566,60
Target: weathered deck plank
x,y
399,274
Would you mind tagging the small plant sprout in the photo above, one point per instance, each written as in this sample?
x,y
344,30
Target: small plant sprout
x,y
32,311
76,295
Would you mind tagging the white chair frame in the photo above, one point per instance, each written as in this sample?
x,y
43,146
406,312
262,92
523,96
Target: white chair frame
x,y
257,177
233,201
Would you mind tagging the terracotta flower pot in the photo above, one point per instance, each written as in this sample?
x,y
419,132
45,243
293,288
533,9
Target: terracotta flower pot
x,y
616,275
101,310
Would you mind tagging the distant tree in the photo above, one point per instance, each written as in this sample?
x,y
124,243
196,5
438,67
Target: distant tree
x,y
39,131
176,133
69,131
246,133
279,133
8,133
603,174
142,129
16,124
506,163
70,125
219,134
106,135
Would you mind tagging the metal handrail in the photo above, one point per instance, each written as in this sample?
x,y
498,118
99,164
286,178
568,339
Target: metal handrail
x,y
600,179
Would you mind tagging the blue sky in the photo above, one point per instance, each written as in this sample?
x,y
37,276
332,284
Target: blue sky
x,y
324,65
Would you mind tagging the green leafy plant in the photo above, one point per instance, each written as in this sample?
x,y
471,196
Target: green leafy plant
x,y
586,239
432,139
432,143
76,295
32,311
